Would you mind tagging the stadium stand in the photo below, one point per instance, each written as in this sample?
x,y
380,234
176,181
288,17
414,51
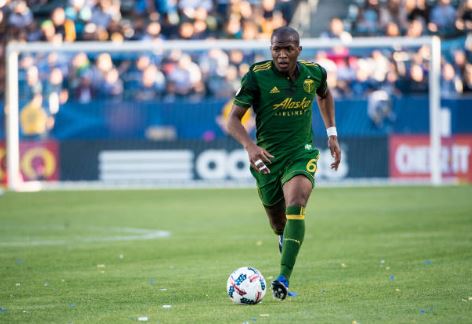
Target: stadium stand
x,y
175,76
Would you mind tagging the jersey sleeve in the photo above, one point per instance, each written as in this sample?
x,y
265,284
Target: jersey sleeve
x,y
323,88
247,93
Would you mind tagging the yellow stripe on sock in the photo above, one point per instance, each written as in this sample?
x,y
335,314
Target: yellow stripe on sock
x,y
301,216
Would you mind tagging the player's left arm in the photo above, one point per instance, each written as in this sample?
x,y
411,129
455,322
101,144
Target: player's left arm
x,y
326,105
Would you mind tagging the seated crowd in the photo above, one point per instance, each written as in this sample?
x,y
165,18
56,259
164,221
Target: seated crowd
x,y
216,73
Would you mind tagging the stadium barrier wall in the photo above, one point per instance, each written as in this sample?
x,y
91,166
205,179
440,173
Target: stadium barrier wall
x,y
185,162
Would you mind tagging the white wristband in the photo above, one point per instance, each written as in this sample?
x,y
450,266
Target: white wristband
x,y
331,131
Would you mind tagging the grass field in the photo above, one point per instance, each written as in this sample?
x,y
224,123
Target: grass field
x,y
371,255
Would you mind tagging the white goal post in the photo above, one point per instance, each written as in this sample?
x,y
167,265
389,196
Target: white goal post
x,y
14,49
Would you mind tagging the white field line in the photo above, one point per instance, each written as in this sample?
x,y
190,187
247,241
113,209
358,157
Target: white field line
x,y
126,234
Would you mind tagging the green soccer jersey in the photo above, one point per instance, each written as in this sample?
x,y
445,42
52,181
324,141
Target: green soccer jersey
x,y
283,106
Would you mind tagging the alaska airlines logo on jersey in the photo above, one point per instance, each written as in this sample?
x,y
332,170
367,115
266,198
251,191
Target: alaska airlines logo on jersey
x,y
274,90
309,85
289,103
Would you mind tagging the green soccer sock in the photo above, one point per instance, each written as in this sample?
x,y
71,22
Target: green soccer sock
x,y
293,238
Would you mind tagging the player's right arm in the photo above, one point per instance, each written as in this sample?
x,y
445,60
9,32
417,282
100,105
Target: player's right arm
x,y
244,99
239,133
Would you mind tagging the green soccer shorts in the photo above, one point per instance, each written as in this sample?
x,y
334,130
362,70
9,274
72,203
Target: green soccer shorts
x,y
269,186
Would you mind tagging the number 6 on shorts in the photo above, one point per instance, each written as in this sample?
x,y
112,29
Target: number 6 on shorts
x,y
311,166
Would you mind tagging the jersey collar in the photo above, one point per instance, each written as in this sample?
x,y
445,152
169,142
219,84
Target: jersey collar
x,y
297,71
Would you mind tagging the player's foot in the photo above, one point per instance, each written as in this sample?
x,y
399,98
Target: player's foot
x,y
281,242
280,287
292,294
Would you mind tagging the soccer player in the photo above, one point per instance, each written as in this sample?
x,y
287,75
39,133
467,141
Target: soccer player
x,y
281,92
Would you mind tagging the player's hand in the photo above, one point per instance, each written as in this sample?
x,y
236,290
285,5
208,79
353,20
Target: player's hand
x,y
259,158
335,151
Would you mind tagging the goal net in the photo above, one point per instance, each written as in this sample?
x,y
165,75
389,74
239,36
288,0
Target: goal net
x,y
142,114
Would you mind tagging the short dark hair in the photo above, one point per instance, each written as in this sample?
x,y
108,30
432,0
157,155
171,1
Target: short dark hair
x,y
286,32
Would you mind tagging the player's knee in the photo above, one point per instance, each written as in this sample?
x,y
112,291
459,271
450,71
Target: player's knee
x,y
298,200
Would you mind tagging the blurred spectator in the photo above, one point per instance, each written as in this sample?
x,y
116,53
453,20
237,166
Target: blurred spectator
x,y
336,30
268,8
464,17
214,63
84,92
460,61
233,27
34,120
151,85
392,30
443,17
416,81
48,31
367,22
161,7
236,57
363,83
271,18
379,109
105,12
153,32
390,85
378,64
205,25
103,65
189,7
112,85
224,86
80,81
250,30
186,30
467,80
186,76
417,9
415,28
20,16
33,32
33,87
63,26
80,13
393,12
451,84
56,92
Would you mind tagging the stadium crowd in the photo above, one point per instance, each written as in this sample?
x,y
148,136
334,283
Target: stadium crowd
x,y
396,70
58,78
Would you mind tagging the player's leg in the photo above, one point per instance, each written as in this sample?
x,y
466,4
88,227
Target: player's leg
x,y
298,181
269,188
277,220
297,192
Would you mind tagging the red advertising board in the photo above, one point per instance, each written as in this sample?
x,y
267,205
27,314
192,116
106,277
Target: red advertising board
x,y
409,157
38,161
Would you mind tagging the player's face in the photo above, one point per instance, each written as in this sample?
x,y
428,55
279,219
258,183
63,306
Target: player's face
x,y
285,52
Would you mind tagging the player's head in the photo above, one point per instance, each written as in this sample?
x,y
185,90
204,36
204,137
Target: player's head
x,y
285,48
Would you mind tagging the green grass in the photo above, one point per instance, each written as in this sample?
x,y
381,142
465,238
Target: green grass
x,y
371,255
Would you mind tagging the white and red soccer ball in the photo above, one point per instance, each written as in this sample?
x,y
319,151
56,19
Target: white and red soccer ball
x,y
246,285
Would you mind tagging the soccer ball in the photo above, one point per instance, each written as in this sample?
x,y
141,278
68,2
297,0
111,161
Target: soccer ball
x,y
246,285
